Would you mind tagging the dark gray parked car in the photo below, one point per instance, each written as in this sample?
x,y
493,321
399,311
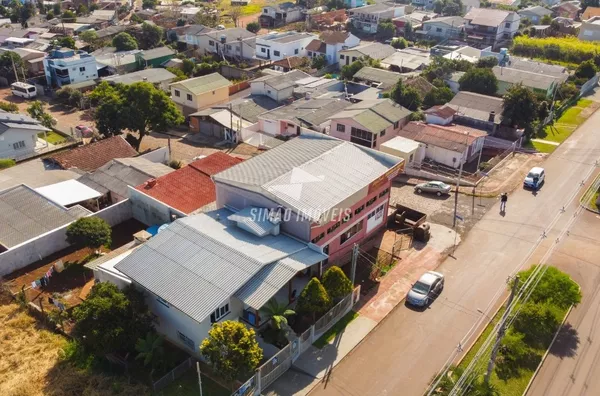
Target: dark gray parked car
x,y
436,187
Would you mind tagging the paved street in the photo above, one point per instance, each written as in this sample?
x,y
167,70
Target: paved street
x,y
405,351
572,366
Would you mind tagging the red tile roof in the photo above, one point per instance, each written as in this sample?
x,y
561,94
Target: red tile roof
x,y
441,111
334,37
191,187
92,156
317,46
451,137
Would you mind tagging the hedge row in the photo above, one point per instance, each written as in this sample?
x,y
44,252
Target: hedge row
x,y
565,49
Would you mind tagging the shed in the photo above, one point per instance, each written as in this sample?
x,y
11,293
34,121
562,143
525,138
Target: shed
x,y
401,147
68,192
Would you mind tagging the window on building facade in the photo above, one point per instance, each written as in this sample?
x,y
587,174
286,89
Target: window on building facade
x,y
82,69
177,93
296,51
187,341
384,192
347,218
262,49
341,128
219,313
318,237
351,232
211,43
189,97
19,145
359,209
333,227
507,25
341,56
439,30
276,53
362,137
371,201
382,133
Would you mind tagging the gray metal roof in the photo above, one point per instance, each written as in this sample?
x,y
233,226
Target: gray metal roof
x,y
153,76
35,173
118,174
477,106
254,219
198,262
387,78
528,79
374,115
26,214
314,111
283,81
156,53
409,58
533,66
20,121
310,173
373,50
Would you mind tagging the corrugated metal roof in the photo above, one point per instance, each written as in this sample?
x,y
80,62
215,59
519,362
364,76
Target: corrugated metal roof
x,y
207,83
256,219
26,214
387,78
199,262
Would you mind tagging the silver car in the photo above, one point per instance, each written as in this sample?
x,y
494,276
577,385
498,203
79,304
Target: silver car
x,y
437,187
427,288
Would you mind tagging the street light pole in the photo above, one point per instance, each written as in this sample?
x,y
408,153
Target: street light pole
x,y
462,161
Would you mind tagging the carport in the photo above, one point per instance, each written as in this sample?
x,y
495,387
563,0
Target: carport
x,y
70,193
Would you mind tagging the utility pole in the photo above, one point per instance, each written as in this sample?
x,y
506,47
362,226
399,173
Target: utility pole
x,y
354,262
501,330
231,117
462,161
14,68
199,377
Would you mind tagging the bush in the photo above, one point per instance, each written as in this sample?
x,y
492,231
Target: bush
x,y
92,232
555,287
319,62
313,299
399,43
253,27
6,163
9,107
586,70
565,49
336,283
538,323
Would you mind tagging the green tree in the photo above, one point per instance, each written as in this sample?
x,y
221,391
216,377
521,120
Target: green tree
x,y
69,16
253,27
482,388
124,42
278,312
49,15
9,107
537,322
452,8
56,8
209,20
66,42
111,320
555,287
150,350
546,20
232,350
92,232
438,96
399,43
319,62
82,10
150,36
519,107
586,69
543,111
487,62
146,4
513,354
180,75
438,6
348,71
385,29
408,31
313,299
188,67
336,283
89,36
406,96
482,81
139,107
36,110
7,58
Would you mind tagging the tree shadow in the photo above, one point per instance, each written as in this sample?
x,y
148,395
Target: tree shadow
x,y
566,343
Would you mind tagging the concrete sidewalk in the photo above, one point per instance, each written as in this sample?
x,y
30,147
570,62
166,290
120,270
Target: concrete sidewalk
x,y
316,364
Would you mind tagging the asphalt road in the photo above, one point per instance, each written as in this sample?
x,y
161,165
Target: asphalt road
x,y
573,365
408,348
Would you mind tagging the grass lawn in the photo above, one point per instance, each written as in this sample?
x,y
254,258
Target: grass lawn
x,y
565,125
514,386
593,201
335,330
187,385
541,147
52,137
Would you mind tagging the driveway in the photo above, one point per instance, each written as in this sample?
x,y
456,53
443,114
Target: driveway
x,y
572,366
408,348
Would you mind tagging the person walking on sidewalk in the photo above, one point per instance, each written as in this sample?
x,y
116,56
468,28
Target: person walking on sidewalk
x,y
503,200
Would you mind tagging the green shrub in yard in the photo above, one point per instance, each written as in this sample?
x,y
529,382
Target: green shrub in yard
x,y
6,163
313,299
92,232
9,107
336,283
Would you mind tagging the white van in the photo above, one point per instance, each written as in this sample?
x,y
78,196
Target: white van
x,y
23,90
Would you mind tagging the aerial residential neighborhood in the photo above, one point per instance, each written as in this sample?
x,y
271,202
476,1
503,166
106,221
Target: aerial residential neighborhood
x,y
266,197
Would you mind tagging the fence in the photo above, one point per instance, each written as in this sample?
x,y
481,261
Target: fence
x,y
589,84
280,363
172,375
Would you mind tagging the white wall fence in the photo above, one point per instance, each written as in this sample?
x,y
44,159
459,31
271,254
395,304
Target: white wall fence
x,y
280,363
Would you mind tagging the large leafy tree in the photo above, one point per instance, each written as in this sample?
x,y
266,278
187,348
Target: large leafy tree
x,y
537,322
520,107
586,69
36,110
231,349
150,36
555,287
385,29
438,96
124,42
406,96
336,283
139,107
7,58
69,16
66,41
278,312
479,80
253,27
313,299
91,232
110,320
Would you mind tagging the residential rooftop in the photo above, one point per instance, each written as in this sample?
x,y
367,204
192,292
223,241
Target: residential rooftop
x,y
202,84
153,76
408,58
529,79
19,121
332,170
477,106
456,138
374,115
286,37
155,53
282,81
190,188
34,173
313,112
486,16
373,50
386,78
92,156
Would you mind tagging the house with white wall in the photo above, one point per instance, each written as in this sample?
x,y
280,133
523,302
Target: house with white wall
x,y
367,18
278,87
534,13
233,43
443,27
279,45
219,265
372,50
330,43
485,26
66,66
278,15
369,123
19,135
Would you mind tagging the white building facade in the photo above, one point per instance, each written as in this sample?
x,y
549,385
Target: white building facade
x,y
66,66
277,46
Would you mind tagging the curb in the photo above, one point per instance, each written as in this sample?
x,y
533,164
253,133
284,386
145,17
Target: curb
x,y
539,367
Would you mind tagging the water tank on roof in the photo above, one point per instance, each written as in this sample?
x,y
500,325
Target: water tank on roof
x,y
223,38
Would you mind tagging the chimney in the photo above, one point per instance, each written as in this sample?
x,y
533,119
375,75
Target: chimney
x,y
151,183
492,116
